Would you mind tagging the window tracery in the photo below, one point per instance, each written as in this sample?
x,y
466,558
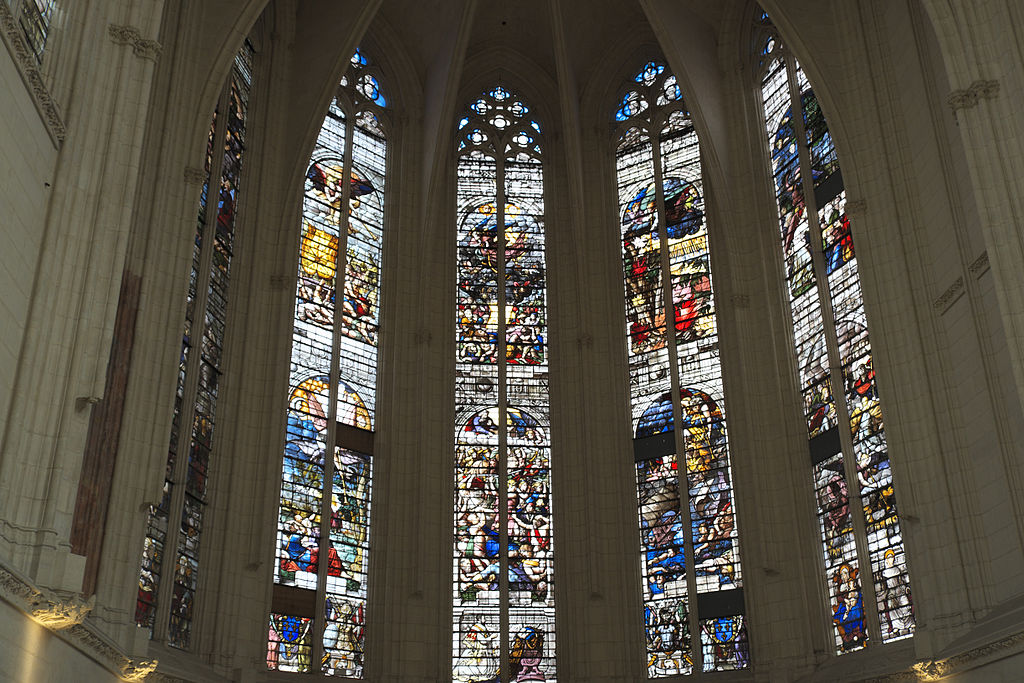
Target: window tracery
x,y
318,606
833,353
503,613
692,579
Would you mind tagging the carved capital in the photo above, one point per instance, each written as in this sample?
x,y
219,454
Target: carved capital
x,y
985,90
961,99
129,35
740,300
25,59
585,341
58,613
965,98
422,337
194,176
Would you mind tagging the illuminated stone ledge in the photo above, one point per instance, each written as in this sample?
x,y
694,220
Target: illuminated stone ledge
x,y
64,614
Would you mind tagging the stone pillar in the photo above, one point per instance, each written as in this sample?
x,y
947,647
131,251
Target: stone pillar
x,y
67,342
980,42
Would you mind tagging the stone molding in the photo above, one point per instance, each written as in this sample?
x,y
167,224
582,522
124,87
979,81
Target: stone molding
x,y
951,294
65,616
28,67
129,35
968,97
979,265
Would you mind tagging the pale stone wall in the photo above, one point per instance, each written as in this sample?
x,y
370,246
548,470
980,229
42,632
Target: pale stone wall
x,y
32,653
27,159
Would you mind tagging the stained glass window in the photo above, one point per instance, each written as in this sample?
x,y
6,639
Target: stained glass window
x,y
862,545
167,592
504,612
689,546
322,550
34,18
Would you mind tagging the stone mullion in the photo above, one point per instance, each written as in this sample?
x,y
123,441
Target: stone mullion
x,y
677,419
501,351
341,259
867,585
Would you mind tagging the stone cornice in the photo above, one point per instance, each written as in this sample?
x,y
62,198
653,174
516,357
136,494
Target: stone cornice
x,y
28,67
965,98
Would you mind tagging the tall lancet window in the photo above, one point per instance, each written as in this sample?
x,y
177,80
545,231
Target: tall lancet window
x,y
167,592
849,460
504,610
321,553
689,549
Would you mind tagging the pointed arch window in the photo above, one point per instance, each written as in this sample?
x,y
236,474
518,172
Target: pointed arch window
x,y
322,549
689,552
167,592
864,559
503,613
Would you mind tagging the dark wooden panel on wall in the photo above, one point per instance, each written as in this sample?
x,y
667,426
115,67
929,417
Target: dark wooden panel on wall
x,y
101,445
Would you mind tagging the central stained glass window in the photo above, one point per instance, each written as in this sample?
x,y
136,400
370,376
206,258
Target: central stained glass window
x,y
322,547
689,546
503,602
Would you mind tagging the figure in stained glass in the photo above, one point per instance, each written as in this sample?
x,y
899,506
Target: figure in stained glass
x,y
848,608
894,600
307,430
527,653
344,634
476,661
